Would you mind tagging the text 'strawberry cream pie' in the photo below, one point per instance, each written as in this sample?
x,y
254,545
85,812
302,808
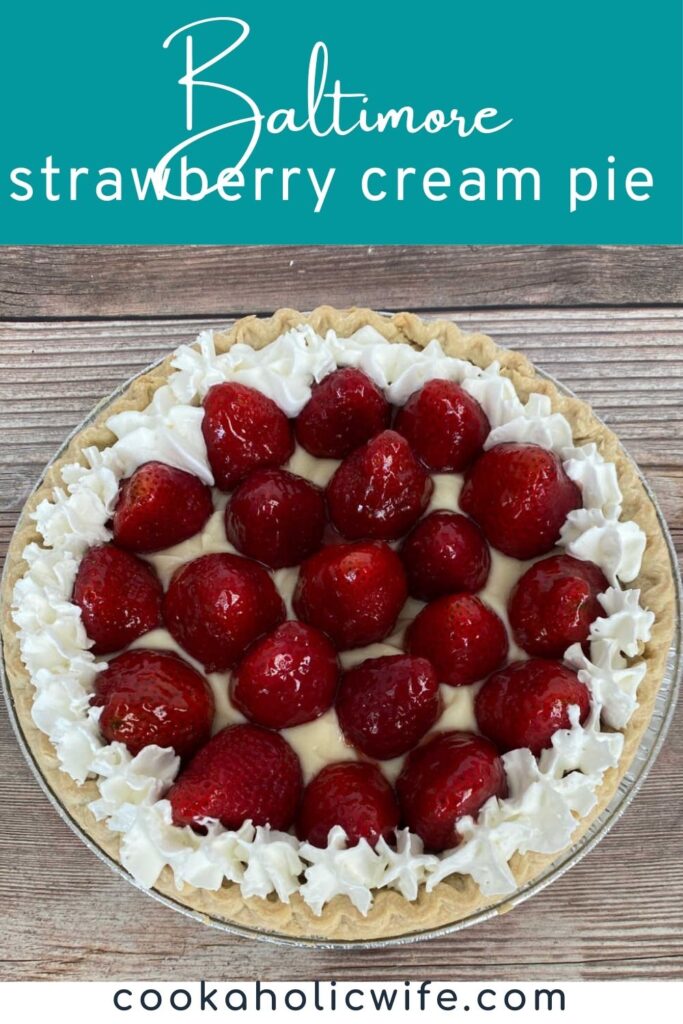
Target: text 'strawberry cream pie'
x,y
338,626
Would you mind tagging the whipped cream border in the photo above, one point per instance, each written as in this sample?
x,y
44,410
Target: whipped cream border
x,y
545,795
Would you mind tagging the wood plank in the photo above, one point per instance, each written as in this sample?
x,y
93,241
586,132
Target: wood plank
x,y
115,281
618,914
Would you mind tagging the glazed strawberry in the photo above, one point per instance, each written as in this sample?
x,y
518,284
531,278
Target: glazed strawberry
x,y
154,697
385,705
119,596
353,794
554,604
276,517
451,775
159,506
445,553
445,426
352,592
345,409
379,490
520,495
526,702
243,430
462,637
288,677
217,605
245,773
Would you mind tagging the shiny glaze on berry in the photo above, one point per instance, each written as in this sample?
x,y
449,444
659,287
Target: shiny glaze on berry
x,y
445,426
380,490
554,603
287,678
243,430
521,496
158,507
245,773
219,604
352,592
462,637
444,554
344,411
119,596
352,794
154,697
386,705
450,776
276,517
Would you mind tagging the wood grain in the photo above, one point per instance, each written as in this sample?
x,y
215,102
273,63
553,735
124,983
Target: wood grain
x,y
105,281
618,914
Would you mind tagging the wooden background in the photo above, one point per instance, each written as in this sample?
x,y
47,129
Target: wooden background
x,y
76,322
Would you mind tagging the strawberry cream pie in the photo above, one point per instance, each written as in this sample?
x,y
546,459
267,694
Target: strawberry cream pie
x,y
337,626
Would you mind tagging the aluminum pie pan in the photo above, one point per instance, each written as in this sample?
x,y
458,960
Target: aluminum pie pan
x,y
645,756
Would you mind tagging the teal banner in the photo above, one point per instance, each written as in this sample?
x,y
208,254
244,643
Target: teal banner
x,y
439,123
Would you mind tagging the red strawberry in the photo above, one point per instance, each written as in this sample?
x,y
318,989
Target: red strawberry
x,y
445,553
287,678
159,506
345,409
243,430
462,637
119,596
445,426
520,495
353,592
154,697
217,605
526,702
554,604
379,490
385,705
245,773
451,775
352,794
276,517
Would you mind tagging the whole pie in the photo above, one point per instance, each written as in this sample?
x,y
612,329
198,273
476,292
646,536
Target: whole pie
x,y
337,626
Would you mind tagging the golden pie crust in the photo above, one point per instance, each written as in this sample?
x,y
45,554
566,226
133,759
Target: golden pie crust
x,y
455,898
